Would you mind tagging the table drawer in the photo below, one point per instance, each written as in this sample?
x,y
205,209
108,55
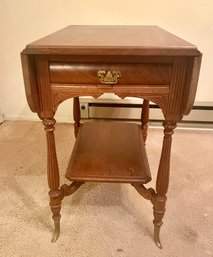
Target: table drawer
x,y
111,74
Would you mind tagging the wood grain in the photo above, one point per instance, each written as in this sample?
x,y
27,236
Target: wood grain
x,y
31,88
76,115
44,89
155,65
120,40
177,86
53,176
145,118
162,182
155,93
131,74
110,152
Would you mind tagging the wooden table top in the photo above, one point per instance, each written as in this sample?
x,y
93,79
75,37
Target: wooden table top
x,y
121,40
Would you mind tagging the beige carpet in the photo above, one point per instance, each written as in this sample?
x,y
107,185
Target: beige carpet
x,y
103,220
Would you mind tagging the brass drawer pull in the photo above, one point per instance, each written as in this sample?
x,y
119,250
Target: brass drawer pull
x,y
108,77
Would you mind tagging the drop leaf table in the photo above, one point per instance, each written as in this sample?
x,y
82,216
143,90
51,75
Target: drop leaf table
x,y
136,61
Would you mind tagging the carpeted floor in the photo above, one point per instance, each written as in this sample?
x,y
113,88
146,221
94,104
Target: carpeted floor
x,y
103,220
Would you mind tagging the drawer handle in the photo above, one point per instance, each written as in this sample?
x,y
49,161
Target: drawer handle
x,y
108,77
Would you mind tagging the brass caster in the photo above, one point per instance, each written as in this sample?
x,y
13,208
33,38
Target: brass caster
x,y
56,232
157,237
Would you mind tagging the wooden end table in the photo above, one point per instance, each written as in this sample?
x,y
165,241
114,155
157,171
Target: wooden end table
x,y
137,61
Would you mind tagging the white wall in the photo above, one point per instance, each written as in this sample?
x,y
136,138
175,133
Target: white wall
x,y
24,21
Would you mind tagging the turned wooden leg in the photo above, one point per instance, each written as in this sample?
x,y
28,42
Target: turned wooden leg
x,y
76,115
145,118
53,176
162,182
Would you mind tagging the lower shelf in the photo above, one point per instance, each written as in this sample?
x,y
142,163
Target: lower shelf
x,y
109,152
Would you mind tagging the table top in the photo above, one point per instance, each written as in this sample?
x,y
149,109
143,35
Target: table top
x,y
121,40
51,63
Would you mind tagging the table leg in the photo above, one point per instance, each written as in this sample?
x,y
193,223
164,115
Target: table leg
x,y
53,176
76,115
162,182
145,118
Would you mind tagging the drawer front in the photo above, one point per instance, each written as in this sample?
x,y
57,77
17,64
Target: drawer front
x,y
111,74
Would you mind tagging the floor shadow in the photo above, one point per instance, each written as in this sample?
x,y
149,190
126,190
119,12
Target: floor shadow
x,y
35,211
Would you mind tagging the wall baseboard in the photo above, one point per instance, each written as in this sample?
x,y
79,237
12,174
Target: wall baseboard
x,y
92,109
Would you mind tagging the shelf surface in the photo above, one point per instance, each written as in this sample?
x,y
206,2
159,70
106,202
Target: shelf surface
x,y
109,152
